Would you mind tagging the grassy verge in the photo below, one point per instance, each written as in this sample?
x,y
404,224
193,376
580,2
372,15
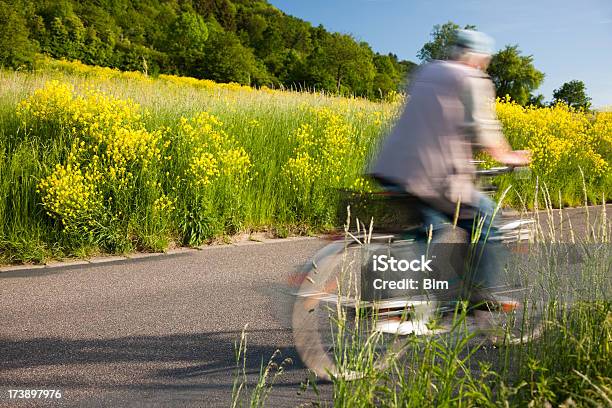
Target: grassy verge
x,y
124,164
96,160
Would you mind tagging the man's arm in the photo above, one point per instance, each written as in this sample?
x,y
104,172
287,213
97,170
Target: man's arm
x,y
482,123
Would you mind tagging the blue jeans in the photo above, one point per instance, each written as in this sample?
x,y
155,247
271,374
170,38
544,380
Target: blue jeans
x,y
483,270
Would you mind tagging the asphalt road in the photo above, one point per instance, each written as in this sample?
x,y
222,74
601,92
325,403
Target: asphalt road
x,y
156,331
153,332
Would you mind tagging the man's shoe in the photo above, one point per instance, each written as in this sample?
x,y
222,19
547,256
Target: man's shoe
x,y
395,325
505,305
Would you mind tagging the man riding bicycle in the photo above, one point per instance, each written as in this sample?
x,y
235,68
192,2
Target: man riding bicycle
x,y
451,109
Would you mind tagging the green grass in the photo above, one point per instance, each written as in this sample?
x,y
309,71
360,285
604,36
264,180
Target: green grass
x,y
302,148
263,123
568,365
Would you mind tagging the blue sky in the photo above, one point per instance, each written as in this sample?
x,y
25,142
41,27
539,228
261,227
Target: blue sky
x,y
568,39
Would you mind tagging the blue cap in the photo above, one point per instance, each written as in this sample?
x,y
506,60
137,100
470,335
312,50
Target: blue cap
x,y
475,40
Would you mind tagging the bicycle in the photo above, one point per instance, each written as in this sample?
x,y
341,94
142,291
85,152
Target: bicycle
x,y
333,304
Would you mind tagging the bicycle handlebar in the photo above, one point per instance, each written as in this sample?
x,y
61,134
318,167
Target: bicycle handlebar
x,y
494,171
522,171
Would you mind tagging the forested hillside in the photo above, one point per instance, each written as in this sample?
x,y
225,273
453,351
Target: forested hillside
x,y
245,41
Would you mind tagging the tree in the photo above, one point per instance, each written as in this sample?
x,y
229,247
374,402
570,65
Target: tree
x,y
386,79
16,49
515,75
391,74
252,27
186,40
443,37
313,73
253,42
223,11
345,58
76,36
572,93
537,100
227,60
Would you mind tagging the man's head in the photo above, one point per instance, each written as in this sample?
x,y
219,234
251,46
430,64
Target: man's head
x,y
472,48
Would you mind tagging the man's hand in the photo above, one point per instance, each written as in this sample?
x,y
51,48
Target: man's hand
x,y
511,157
517,158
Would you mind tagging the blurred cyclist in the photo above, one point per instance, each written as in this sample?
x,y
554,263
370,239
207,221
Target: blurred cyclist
x,y
451,109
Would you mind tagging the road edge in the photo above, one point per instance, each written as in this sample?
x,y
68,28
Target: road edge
x,y
133,256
